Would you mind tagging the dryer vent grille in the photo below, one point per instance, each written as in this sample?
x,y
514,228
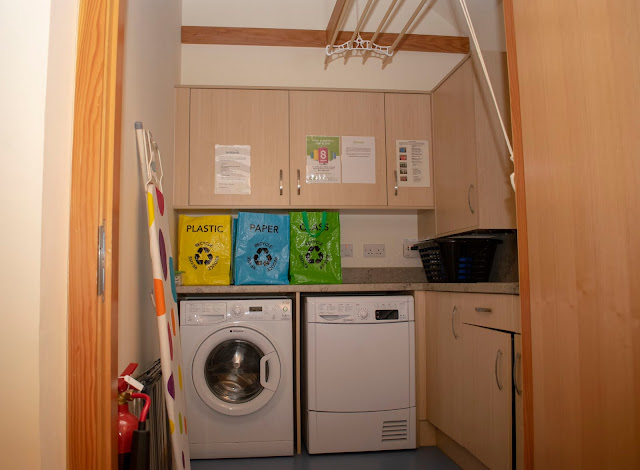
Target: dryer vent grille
x,y
395,430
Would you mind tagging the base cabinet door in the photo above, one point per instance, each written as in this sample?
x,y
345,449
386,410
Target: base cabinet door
x,y
444,363
487,397
517,396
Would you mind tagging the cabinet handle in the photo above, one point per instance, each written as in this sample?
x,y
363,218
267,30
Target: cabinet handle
x,y
469,199
281,187
453,322
483,310
517,361
498,356
298,182
395,175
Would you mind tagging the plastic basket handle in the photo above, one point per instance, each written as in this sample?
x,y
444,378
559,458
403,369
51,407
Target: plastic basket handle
x,y
305,219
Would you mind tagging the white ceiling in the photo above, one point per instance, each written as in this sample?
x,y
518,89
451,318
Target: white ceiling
x,y
439,17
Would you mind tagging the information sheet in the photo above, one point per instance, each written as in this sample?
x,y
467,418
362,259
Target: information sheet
x,y
358,159
323,159
412,163
233,169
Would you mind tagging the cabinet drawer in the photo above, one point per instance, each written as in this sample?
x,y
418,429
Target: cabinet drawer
x,y
500,312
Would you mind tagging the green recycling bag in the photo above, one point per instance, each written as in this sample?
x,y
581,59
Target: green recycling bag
x,y
315,248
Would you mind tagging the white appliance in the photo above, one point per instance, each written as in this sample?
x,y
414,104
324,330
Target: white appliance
x,y
360,383
238,361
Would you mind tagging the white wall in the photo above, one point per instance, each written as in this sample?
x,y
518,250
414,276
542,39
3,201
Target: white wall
x,y
151,70
24,32
58,140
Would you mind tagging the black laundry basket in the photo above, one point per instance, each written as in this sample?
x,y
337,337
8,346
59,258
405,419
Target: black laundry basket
x,y
458,259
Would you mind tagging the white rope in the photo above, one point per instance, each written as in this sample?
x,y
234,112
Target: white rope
x,y
467,17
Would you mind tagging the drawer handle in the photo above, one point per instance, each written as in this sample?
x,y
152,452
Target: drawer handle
x,y
469,199
281,187
395,175
516,363
483,310
453,322
498,356
298,182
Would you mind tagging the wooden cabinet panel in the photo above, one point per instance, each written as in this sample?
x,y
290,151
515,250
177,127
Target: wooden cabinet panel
x,y
487,396
517,396
407,117
454,136
497,311
445,363
336,114
258,118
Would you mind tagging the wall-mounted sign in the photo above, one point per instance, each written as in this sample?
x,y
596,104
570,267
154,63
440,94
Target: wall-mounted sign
x,y
412,163
233,169
323,159
358,159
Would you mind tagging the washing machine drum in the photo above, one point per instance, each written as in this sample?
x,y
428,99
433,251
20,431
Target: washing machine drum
x,y
236,371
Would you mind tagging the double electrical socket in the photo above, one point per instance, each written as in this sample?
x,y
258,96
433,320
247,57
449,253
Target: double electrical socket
x,y
373,250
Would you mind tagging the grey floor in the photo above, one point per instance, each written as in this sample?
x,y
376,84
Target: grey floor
x,y
423,457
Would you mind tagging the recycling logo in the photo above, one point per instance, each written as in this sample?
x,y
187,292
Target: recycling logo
x,y
203,256
262,257
314,255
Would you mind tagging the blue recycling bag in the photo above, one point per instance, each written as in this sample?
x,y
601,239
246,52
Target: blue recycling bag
x,y
262,249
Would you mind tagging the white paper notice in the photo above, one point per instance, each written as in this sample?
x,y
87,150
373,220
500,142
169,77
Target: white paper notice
x,y
233,169
412,163
358,159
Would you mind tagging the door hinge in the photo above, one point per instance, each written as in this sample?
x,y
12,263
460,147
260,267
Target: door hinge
x,y
101,259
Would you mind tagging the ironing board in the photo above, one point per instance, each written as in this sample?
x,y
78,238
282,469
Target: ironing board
x,y
164,296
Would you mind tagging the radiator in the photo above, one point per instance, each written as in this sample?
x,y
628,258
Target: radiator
x,y
157,422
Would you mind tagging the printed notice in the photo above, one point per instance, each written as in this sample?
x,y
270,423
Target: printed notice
x,y
233,169
323,159
358,159
412,163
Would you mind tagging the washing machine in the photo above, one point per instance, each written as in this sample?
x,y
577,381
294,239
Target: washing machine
x,y
360,374
238,376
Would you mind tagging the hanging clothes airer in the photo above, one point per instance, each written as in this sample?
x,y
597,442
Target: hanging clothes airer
x,y
467,17
164,296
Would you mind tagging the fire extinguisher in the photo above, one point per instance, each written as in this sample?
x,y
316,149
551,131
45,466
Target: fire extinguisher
x,y
133,435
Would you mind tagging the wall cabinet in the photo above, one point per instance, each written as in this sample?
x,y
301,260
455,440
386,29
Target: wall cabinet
x,y
258,118
469,372
336,114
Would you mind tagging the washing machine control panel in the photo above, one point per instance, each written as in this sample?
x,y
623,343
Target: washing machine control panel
x,y
363,310
209,312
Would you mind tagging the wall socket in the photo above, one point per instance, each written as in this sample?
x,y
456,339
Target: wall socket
x,y
407,252
346,250
373,250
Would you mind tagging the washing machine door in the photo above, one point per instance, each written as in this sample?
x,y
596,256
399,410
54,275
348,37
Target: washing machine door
x,y
236,370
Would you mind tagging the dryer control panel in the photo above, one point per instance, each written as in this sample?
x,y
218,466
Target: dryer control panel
x,y
356,309
210,312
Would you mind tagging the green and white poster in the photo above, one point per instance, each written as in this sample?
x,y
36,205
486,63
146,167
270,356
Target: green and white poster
x,y
323,159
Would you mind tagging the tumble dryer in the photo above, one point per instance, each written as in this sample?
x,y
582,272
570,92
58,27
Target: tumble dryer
x,y
238,360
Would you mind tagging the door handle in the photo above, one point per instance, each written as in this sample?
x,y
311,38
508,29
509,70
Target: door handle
x,y
453,322
395,175
298,182
267,382
469,199
498,356
281,187
518,360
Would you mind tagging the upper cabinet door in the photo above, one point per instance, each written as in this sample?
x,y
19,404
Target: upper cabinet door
x,y
408,118
455,153
259,118
338,114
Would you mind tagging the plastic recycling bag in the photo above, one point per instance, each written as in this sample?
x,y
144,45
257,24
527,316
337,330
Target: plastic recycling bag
x,y
261,249
315,248
205,250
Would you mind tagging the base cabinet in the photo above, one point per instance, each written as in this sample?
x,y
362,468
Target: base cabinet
x,y
469,382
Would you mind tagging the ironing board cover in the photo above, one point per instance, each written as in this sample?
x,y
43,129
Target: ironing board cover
x,y
164,289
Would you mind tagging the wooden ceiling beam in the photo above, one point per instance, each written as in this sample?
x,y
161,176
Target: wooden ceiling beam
x,y
316,38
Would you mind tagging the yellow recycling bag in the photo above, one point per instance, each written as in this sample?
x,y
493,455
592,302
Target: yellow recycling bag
x,y
205,250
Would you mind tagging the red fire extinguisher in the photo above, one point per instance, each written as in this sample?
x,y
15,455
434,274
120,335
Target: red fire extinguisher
x,y
133,435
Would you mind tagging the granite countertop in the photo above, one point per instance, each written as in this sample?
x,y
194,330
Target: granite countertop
x,y
480,287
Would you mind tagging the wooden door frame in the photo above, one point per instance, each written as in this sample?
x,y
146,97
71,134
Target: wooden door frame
x,y
93,320
523,247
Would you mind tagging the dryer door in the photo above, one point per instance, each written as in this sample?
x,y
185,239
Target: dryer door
x,y
236,370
